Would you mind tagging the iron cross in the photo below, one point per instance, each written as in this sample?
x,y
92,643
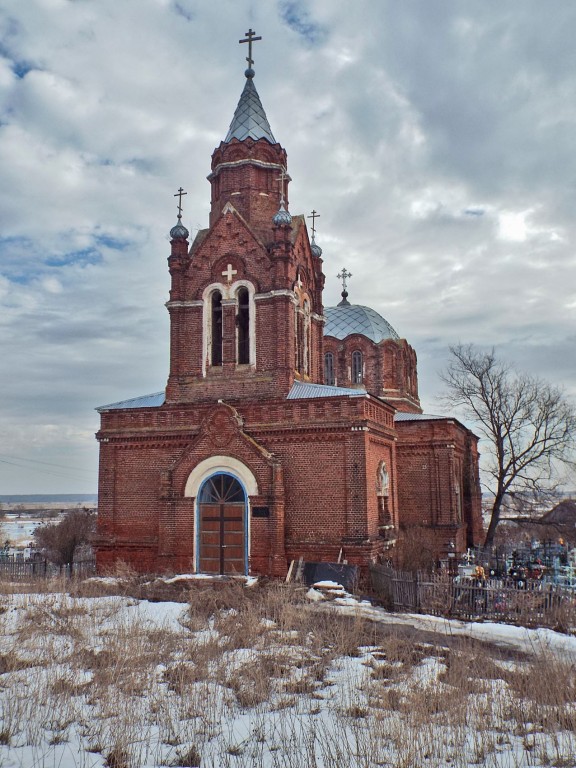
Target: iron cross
x,y
250,39
313,216
282,179
344,275
179,196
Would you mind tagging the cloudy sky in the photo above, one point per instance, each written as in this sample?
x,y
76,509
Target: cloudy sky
x,y
437,139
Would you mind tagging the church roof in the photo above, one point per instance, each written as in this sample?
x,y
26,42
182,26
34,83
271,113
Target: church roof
x,y
299,391
144,401
303,390
249,120
404,416
347,319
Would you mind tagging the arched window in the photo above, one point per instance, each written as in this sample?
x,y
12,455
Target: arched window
x,y
306,339
357,367
297,315
243,326
302,352
329,369
216,328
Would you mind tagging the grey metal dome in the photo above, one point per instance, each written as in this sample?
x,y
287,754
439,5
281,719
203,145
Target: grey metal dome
x,y
347,319
315,248
179,231
282,216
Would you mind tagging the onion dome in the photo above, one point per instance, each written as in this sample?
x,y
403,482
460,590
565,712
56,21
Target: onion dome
x,y
282,216
316,250
347,319
179,231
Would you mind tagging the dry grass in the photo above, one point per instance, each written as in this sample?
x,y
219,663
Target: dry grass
x,y
258,677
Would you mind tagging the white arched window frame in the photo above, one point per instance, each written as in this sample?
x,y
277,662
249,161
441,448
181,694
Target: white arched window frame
x,y
208,298
302,332
297,351
229,293
216,465
245,335
234,291
306,338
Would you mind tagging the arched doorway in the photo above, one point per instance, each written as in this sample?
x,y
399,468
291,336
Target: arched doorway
x,y
222,526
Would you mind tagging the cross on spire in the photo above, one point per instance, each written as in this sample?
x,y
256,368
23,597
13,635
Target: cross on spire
x,y
313,216
344,275
250,38
179,196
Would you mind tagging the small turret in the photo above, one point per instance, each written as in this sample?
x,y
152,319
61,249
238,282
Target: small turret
x,y
178,236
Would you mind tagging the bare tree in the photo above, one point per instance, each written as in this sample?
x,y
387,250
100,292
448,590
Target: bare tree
x,y
528,425
59,541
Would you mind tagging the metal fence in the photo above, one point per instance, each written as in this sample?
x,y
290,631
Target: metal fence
x,y
535,603
14,568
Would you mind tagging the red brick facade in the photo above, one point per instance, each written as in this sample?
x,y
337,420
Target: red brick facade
x,y
247,452
388,368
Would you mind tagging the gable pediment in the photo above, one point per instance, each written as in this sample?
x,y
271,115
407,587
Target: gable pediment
x,y
221,434
228,252
230,226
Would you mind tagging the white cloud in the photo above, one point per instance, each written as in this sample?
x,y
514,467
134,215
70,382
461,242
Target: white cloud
x,y
436,142
513,226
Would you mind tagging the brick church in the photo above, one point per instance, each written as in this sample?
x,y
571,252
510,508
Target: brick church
x,y
287,429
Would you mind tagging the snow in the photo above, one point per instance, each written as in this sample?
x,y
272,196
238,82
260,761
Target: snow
x,y
80,677
520,639
328,585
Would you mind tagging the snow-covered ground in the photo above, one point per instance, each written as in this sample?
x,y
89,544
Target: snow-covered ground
x,y
278,678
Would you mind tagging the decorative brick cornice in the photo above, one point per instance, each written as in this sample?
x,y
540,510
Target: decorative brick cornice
x,y
244,161
257,297
275,294
179,304
143,441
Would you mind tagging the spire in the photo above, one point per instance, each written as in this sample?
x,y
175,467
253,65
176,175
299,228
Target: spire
x,y
250,120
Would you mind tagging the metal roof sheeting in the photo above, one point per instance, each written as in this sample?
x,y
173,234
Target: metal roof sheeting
x,y
402,416
347,319
145,401
249,120
303,391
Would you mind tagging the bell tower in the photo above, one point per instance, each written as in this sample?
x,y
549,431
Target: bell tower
x,y
246,298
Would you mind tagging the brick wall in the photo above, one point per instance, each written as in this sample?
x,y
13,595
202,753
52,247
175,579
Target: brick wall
x,y
325,451
436,488
389,369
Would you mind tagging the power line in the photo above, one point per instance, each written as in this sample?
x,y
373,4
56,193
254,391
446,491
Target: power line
x,y
39,469
47,463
